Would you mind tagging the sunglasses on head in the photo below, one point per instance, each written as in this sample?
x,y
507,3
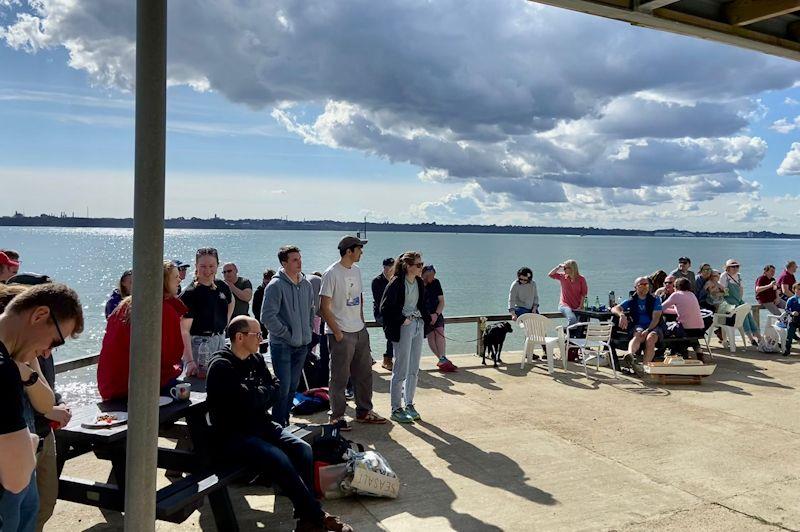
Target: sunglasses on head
x,y
207,251
61,340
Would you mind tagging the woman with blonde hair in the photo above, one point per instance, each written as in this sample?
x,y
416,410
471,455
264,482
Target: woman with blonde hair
x,y
404,322
210,303
573,289
113,365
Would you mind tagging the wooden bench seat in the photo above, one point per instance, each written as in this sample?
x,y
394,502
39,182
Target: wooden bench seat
x,y
175,503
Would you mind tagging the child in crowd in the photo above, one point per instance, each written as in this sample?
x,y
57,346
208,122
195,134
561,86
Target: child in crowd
x,y
714,290
792,318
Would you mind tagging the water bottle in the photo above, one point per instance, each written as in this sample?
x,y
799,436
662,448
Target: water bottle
x,y
612,300
586,303
202,359
597,303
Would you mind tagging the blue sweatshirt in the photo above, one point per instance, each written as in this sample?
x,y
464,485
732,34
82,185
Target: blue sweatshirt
x,y
288,310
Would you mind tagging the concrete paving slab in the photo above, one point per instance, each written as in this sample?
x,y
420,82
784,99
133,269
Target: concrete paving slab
x,y
511,449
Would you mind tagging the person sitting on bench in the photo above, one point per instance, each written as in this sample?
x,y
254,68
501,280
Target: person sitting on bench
x,y
684,304
239,390
645,326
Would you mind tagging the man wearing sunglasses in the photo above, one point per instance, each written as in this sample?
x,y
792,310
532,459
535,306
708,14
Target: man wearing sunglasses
x,y
36,321
683,271
241,289
645,326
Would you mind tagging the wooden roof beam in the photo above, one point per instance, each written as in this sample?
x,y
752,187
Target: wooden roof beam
x,y
744,12
647,6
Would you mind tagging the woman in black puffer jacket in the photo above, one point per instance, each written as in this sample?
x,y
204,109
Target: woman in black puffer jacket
x,y
404,320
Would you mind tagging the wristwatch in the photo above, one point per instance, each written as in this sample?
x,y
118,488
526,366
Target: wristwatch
x,y
31,380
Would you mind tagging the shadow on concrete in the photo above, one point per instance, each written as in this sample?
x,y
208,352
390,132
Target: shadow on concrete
x,y
741,367
488,468
422,494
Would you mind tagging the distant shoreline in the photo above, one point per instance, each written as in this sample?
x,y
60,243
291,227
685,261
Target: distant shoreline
x,y
45,220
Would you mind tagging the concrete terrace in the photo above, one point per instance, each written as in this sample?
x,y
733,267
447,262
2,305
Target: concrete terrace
x,y
513,449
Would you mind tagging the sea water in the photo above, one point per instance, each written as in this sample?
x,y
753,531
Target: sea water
x,y
476,270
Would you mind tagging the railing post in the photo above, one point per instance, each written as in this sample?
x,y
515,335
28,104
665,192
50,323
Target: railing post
x,y
481,327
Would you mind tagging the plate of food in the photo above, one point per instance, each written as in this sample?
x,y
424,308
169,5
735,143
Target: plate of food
x,y
106,420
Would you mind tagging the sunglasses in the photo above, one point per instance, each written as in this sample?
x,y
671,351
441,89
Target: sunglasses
x,y
669,282
61,341
230,271
735,266
419,264
207,251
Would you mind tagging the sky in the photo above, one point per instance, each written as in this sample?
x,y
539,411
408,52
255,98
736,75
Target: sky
x,y
504,112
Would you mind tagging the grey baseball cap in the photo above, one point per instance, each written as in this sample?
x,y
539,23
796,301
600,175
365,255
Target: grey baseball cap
x,y
350,241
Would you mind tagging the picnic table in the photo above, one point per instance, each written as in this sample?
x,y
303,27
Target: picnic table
x,y
175,502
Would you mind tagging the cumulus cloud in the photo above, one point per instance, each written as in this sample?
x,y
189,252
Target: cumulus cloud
x,y
749,212
790,101
791,163
490,93
786,125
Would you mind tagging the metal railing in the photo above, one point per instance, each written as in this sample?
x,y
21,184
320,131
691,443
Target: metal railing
x,y
479,321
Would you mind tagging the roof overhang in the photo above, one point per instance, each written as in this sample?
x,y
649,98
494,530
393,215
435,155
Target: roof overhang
x,y
769,26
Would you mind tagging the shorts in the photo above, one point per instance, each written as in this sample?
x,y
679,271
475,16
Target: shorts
x,y
658,330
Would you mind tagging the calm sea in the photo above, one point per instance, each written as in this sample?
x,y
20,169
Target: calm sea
x,y
475,269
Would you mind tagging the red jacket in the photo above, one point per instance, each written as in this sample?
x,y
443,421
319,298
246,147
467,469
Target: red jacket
x,y
113,369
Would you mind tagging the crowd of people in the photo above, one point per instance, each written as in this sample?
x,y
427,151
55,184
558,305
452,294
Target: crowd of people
x,y
209,331
681,293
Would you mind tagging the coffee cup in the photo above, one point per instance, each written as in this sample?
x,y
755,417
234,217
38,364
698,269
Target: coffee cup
x,y
181,391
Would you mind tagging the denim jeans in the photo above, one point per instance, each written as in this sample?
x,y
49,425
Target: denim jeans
x,y
18,511
519,311
289,462
569,314
287,364
407,354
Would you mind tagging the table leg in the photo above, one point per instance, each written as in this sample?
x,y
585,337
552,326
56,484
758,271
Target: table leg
x,y
221,507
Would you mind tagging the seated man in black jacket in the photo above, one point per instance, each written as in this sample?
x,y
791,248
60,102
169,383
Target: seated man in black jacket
x,y
240,389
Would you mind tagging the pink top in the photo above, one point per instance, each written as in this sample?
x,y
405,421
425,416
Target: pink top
x,y
687,308
572,292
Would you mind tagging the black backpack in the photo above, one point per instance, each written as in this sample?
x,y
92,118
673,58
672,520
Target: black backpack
x,y
330,447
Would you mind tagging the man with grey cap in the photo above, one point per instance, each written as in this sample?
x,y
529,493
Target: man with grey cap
x,y
342,308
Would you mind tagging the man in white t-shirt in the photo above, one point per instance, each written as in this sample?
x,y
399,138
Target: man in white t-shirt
x,y
342,308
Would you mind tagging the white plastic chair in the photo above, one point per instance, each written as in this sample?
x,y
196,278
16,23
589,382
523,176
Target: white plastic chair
x,y
536,329
776,331
729,331
597,340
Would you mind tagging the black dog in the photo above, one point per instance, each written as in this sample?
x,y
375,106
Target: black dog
x,y
493,337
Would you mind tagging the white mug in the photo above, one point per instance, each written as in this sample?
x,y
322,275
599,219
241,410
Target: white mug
x,y
180,391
